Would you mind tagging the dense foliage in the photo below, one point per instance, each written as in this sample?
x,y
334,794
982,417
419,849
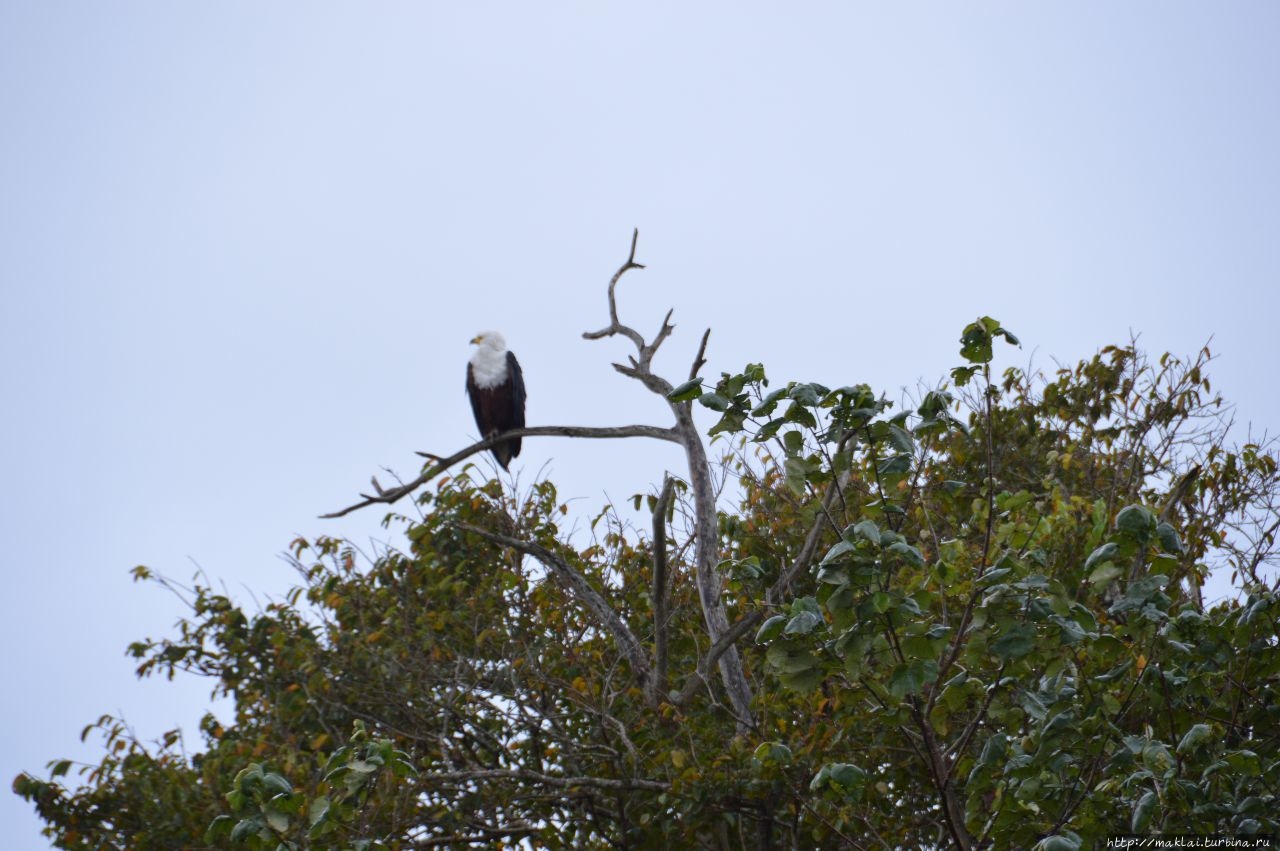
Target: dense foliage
x,y
974,622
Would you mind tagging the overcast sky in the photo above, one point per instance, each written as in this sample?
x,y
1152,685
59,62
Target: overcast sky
x,y
243,247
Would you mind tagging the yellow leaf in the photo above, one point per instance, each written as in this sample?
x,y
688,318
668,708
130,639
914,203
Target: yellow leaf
x,y
677,758
580,684
1142,662
319,741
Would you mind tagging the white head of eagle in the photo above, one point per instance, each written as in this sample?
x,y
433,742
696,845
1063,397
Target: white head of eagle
x,y
496,387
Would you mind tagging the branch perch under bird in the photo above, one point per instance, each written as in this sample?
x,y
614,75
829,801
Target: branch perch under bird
x,y
390,495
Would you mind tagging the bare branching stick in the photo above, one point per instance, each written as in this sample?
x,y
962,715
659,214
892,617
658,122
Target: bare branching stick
x,y
700,360
578,586
706,528
390,495
660,590
616,327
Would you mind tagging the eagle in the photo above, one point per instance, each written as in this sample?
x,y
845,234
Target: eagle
x,y
496,387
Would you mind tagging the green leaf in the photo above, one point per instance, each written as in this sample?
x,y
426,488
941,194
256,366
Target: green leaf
x,y
714,401
1103,553
319,810
847,775
1136,521
768,430
276,784
909,678
994,749
975,343
793,441
797,413
1142,813
1016,642
61,768
910,554
775,753
865,529
801,681
841,548
246,828
1104,573
794,472
769,403
770,629
807,394
731,422
1058,842
1169,540
218,828
687,391
1156,757
901,439
1197,735
894,465
277,821
803,623
842,777
991,577
790,660
962,375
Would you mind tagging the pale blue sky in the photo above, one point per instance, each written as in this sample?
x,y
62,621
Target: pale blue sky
x,y
243,247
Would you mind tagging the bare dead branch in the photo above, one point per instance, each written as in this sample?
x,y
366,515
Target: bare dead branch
x,y
706,530
700,360
660,590
578,586
616,327
390,495
729,639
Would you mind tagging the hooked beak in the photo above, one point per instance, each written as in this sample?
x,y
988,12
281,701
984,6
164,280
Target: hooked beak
x,y
475,341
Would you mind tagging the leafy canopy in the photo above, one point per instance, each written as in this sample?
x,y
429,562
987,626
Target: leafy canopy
x,y
978,619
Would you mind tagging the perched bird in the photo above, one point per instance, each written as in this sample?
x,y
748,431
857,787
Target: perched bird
x,y
496,387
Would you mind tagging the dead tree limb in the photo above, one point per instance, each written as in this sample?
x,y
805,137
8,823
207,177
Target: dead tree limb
x,y
391,495
578,586
661,592
706,527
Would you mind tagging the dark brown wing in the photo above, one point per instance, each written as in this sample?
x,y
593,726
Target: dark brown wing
x,y
498,409
515,378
